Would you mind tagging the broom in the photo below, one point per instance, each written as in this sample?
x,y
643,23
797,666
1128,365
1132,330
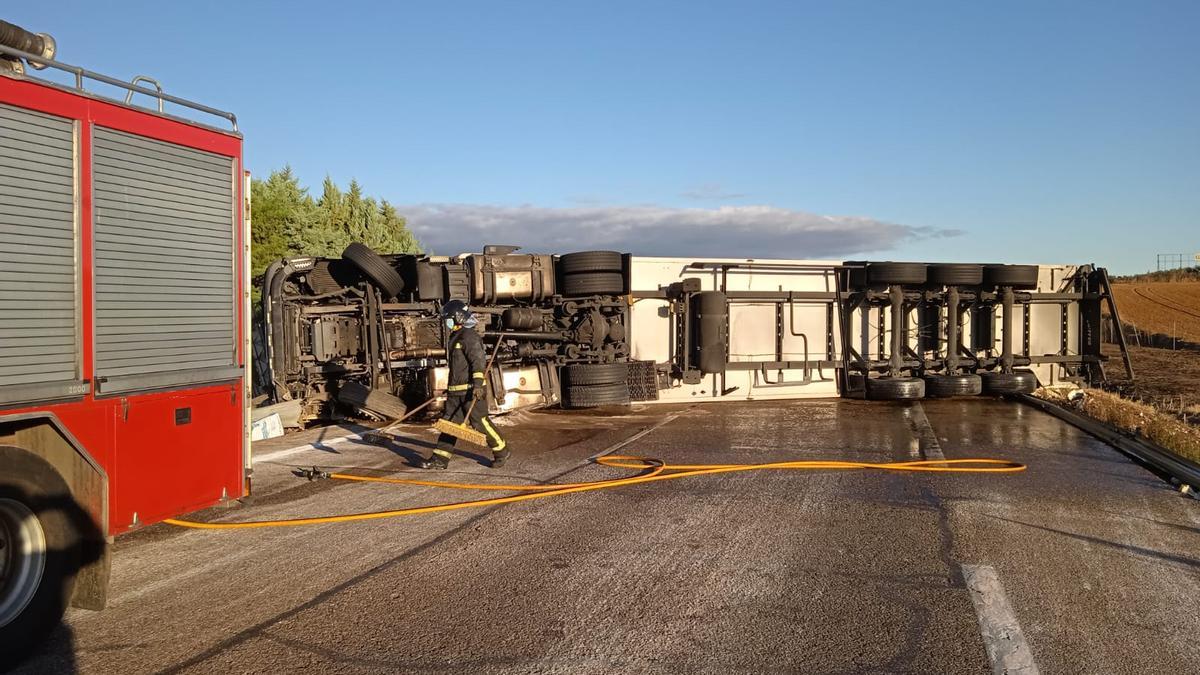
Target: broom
x,y
464,431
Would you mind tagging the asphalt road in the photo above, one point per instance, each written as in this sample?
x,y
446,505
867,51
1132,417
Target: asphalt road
x,y
1084,563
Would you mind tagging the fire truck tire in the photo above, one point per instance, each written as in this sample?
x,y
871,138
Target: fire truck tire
x,y
377,269
946,386
40,554
901,274
584,374
593,283
1016,382
895,388
950,274
371,400
1017,276
590,261
595,395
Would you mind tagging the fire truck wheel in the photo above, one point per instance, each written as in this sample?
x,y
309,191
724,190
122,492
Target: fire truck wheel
x,y
895,388
1016,382
945,386
377,269
593,283
590,261
372,400
39,553
595,395
582,374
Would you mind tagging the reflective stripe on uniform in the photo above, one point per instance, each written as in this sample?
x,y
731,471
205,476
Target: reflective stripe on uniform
x,y
491,431
477,375
458,387
443,453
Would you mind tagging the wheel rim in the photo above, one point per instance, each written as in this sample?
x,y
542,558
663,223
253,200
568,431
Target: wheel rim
x,y
22,558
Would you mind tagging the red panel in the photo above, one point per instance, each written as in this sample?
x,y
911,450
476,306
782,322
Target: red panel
x,y
166,468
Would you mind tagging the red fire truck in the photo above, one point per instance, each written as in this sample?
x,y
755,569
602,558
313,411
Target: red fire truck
x,y
123,323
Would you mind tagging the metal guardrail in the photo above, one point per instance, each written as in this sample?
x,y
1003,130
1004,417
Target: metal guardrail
x,y
1158,459
82,74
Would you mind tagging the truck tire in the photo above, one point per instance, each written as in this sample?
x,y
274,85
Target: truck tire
x,y
1017,276
893,273
595,395
952,274
1016,382
895,388
584,374
40,555
593,283
946,386
375,268
590,261
372,400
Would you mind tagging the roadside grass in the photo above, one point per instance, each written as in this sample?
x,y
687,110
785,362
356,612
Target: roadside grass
x,y
1134,418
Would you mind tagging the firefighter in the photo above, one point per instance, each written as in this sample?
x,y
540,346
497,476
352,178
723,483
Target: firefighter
x,y
465,387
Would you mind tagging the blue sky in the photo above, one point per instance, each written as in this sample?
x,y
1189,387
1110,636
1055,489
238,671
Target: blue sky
x,y
1041,132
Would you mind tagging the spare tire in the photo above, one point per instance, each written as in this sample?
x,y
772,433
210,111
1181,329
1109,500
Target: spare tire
x,y
595,373
1017,276
946,386
893,273
953,274
593,283
1016,382
595,395
371,400
375,268
895,388
590,261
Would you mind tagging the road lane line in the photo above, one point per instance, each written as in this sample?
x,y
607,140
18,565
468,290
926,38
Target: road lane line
x,y
927,441
280,454
620,444
1002,637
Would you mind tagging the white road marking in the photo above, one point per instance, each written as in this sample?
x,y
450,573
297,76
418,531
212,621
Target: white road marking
x,y
926,439
1002,637
617,446
280,454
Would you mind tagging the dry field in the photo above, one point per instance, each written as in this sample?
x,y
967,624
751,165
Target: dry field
x,y
1169,308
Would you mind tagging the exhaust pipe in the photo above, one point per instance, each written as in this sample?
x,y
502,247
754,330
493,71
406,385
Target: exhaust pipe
x,y
38,44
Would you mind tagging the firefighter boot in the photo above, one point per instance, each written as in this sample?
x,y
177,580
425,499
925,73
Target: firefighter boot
x,y
436,461
499,457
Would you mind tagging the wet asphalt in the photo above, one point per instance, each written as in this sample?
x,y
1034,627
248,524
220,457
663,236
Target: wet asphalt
x,y
779,571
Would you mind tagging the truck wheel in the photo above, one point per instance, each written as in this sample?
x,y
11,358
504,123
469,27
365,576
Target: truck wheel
x,y
1016,382
903,274
584,374
373,400
895,388
595,395
593,283
952,274
39,552
945,386
1017,276
590,261
377,269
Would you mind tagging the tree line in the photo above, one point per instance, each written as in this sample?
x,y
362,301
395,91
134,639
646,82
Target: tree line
x,y
285,221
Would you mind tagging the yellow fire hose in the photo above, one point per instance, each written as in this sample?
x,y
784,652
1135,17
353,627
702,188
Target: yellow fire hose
x,y
653,470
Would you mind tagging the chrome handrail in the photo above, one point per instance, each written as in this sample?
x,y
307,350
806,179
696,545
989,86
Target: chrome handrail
x,y
132,87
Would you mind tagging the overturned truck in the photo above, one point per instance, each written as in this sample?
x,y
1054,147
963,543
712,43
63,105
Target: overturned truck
x,y
360,335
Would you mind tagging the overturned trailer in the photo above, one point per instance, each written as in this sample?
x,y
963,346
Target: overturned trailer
x,y
361,334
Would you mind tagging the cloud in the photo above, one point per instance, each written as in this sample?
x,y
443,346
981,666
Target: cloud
x,y
727,231
710,192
